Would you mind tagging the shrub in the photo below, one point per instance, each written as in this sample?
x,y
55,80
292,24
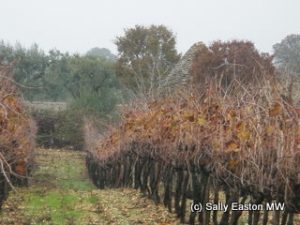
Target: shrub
x,y
59,129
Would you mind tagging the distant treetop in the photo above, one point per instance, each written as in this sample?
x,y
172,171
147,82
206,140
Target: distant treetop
x,y
101,52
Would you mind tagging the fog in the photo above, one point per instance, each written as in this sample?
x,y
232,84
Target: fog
x,y
77,26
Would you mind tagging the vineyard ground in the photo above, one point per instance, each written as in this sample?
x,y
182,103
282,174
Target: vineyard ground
x,y
61,193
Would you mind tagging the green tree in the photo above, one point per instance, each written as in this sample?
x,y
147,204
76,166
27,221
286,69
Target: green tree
x,y
146,56
56,76
287,59
287,53
92,84
6,52
28,68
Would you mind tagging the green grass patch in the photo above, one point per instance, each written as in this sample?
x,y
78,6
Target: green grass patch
x,y
62,194
57,207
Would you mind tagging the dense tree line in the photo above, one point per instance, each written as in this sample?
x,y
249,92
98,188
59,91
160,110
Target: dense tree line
x,y
58,76
87,83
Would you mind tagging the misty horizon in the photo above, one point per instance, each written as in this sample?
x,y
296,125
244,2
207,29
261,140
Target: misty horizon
x,y
76,27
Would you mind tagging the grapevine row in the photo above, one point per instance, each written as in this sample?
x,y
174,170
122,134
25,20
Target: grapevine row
x,y
16,136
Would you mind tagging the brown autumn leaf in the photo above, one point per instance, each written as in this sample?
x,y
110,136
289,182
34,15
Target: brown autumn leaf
x,y
232,164
231,115
270,130
298,111
298,138
232,146
244,135
201,121
188,115
242,131
21,168
275,110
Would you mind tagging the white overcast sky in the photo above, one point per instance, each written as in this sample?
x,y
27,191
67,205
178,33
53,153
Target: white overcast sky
x,y
78,25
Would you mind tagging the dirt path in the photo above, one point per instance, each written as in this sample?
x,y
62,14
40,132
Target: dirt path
x,y
61,193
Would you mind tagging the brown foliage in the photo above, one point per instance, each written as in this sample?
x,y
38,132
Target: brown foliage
x,y
226,61
214,133
247,141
